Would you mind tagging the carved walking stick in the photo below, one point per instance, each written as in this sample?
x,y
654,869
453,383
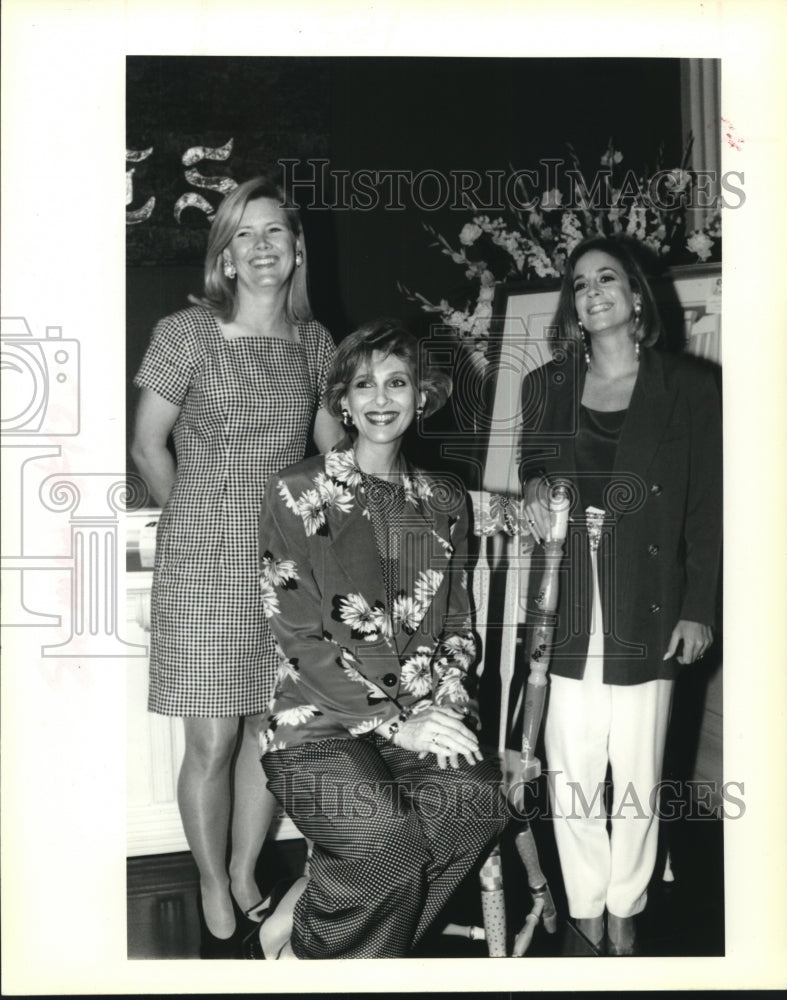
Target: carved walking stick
x,y
543,622
518,772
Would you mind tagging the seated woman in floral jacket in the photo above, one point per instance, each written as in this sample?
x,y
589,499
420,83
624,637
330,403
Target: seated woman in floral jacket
x,y
368,742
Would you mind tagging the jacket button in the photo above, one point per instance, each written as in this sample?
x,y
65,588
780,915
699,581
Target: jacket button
x,y
656,489
653,550
654,608
389,680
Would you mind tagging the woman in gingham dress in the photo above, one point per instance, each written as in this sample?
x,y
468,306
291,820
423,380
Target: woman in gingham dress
x,y
369,740
236,379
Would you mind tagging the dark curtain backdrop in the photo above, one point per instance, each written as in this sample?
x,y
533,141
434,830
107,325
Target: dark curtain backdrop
x,y
412,114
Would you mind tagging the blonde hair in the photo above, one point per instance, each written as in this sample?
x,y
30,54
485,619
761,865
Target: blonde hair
x,y
220,292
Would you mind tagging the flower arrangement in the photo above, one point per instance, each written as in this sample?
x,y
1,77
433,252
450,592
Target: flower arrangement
x,y
543,228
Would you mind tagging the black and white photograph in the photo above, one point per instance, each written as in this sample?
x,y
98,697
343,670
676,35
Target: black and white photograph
x,y
380,582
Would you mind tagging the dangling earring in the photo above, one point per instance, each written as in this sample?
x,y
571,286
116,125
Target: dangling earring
x,y
347,419
229,268
298,258
636,349
419,411
586,344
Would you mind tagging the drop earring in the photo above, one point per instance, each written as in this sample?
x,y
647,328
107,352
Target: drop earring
x,y
636,349
347,419
586,344
298,258
229,268
419,411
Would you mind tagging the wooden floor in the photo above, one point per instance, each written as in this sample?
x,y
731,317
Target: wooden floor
x,y
685,917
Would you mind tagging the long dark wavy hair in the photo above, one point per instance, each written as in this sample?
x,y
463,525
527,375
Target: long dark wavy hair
x,y
648,328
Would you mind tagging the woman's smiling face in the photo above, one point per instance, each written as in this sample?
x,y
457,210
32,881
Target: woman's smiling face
x,y
263,246
603,297
382,398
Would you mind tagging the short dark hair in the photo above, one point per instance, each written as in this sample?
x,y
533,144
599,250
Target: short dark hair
x,y
622,249
387,336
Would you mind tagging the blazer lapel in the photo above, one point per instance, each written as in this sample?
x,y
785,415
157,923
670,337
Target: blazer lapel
x,y
648,413
355,550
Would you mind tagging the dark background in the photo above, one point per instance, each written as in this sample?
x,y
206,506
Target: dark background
x,y
442,114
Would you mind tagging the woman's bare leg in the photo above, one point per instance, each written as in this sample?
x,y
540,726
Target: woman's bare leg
x,y
204,802
252,812
276,930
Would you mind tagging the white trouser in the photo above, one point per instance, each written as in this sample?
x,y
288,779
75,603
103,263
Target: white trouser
x,y
588,725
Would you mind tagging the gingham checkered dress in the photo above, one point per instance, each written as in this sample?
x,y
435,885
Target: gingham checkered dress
x,y
246,407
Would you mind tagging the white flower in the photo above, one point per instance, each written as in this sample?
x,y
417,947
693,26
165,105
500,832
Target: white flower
x,y
334,494
701,244
407,612
446,545
286,669
296,716
355,611
264,740
382,622
460,320
270,602
416,488
551,200
426,585
311,510
287,497
278,572
461,648
416,672
470,233
341,465
450,687
677,180
365,727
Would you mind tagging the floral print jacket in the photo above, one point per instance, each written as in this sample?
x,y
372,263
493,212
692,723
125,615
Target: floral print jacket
x,y
347,661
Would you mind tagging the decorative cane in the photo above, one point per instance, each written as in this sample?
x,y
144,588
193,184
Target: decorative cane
x,y
544,622
518,773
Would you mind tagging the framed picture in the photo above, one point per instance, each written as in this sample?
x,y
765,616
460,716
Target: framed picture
x,y
689,301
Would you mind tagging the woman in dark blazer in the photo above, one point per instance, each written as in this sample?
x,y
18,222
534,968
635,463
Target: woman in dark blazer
x,y
368,742
635,434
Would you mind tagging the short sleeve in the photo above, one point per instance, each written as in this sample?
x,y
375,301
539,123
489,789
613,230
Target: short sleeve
x,y
168,366
321,363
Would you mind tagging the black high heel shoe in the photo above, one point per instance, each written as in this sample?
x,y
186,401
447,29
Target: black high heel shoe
x,y
211,946
247,920
251,947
